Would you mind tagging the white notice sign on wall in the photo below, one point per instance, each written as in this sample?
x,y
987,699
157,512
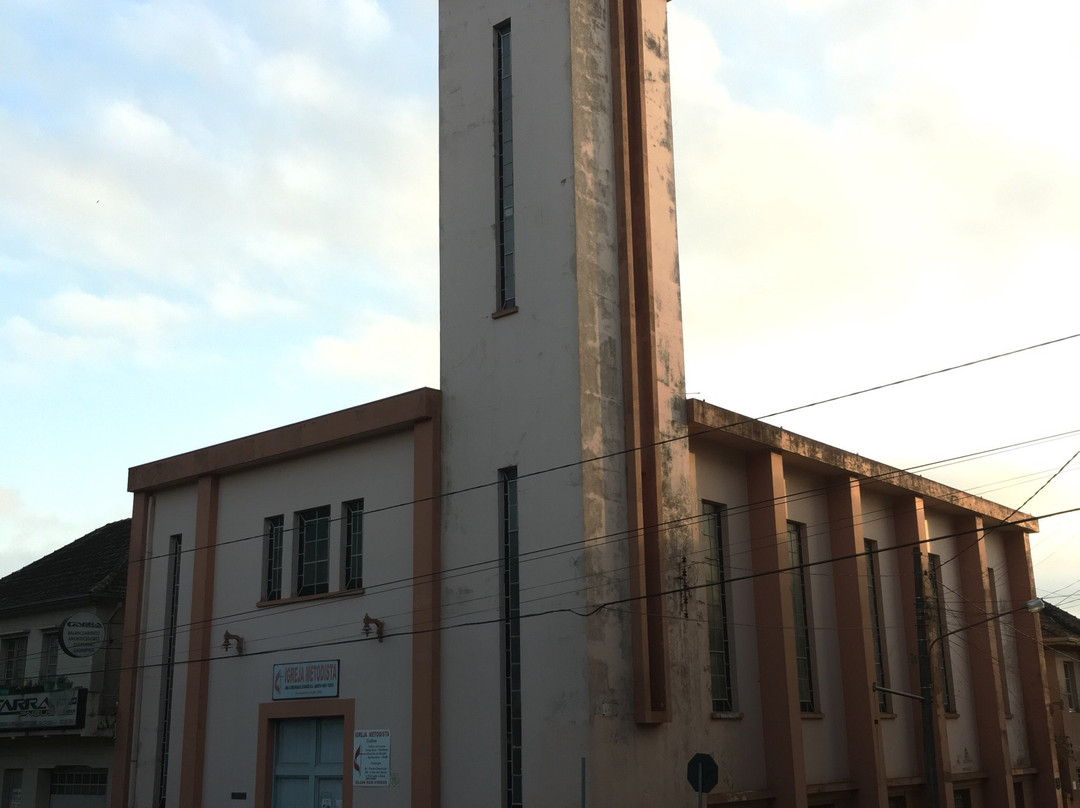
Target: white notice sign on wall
x,y
306,680
371,757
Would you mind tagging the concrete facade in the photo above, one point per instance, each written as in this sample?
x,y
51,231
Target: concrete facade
x,y
537,545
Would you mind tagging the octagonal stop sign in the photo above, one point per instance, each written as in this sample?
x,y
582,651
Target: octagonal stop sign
x,y
702,772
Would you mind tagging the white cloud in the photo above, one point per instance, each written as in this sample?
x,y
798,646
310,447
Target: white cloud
x,y
140,320
235,300
26,534
386,351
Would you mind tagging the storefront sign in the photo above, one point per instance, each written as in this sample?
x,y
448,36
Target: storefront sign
x,y
306,680
54,709
82,635
371,757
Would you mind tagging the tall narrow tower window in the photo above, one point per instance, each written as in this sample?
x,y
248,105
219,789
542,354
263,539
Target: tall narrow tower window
x,y
716,602
877,627
511,621
800,602
504,148
168,670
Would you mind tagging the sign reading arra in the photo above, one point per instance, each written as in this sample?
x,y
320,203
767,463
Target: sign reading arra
x,y
306,680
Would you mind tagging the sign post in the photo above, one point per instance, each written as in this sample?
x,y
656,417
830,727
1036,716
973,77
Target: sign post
x,y
703,775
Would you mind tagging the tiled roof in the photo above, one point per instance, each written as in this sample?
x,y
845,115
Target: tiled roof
x,y
94,566
1058,623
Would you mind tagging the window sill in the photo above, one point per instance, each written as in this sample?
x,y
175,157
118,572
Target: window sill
x,y
814,716
495,315
725,715
340,593
888,716
952,715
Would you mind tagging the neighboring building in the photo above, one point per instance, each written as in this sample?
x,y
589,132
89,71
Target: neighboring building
x,y
556,579
58,711
1061,636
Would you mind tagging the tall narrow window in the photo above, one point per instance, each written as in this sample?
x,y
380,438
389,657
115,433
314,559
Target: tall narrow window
x,y
1071,700
313,551
995,609
511,621
800,602
274,530
504,147
13,656
716,604
353,546
168,666
50,656
877,629
937,591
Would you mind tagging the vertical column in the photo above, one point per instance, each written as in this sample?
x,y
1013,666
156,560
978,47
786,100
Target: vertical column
x,y
785,763
129,655
1033,679
426,609
983,663
912,538
640,379
856,642
193,752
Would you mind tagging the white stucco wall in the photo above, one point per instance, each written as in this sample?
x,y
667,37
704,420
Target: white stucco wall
x,y
898,731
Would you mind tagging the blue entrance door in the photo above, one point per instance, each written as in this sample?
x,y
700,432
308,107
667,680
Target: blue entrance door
x,y
308,763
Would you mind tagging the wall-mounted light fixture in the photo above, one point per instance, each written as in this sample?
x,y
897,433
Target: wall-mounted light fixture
x,y
233,638
373,621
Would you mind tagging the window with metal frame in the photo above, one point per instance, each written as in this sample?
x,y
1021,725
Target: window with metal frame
x,y
274,531
877,628
1071,700
800,602
716,603
313,551
962,797
511,622
995,607
353,546
13,658
504,148
50,657
168,669
80,781
941,625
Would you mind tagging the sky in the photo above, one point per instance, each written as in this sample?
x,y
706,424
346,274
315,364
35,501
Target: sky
x,y
214,216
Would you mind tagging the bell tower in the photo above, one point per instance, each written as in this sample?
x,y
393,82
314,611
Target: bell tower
x,y
562,383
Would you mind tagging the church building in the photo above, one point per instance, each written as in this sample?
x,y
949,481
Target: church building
x,y
556,580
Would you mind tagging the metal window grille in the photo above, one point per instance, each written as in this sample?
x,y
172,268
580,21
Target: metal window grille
x,y
313,551
511,620
962,797
717,610
1070,687
275,543
168,670
937,590
999,641
800,602
14,657
50,656
354,544
873,586
504,145
78,782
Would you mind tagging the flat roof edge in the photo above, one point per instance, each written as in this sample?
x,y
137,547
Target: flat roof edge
x,y
324,431
704,418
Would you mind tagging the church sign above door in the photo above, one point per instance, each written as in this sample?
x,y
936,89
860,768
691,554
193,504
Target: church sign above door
x,y
306,680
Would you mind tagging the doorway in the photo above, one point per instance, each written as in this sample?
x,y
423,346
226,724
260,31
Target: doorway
x,y
308,762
